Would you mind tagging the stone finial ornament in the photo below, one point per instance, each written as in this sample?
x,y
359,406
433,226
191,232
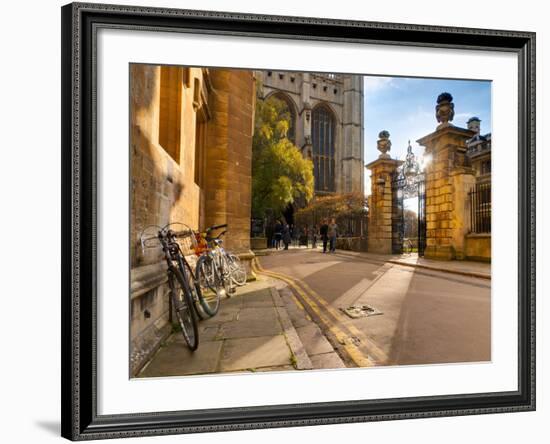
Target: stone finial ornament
x,y
445,109
474,124
384,144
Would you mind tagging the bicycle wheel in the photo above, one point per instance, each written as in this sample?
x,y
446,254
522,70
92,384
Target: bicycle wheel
x,y
210,283
185,312
196,292
225,274
237,270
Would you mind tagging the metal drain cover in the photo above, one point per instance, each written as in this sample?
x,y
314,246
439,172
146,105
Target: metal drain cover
x,y
361,311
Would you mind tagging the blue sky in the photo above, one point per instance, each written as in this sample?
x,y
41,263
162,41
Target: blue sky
x,y
406,108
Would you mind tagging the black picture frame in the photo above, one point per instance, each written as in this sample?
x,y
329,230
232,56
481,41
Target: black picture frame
x,y
79,171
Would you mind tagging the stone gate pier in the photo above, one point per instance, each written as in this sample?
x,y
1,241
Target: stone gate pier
x,y
381,209
448,180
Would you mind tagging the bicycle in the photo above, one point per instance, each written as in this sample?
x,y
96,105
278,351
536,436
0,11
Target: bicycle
x,y
209,271
237,270
230,271
407,246
185,291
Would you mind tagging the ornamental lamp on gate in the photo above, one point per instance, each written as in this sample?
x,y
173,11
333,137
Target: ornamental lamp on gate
x,y
411,168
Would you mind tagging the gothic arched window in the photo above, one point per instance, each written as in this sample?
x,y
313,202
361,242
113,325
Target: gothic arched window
x,y
323,137
292,113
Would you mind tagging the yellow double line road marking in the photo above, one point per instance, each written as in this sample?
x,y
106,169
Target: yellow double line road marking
x,y
353,351
373,349
321,309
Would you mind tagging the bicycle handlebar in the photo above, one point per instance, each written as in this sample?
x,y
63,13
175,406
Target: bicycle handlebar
x,y
182,233
215,227
210,238
162,234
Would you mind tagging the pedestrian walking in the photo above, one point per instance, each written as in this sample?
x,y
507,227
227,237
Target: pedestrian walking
x,y
324,234
304,240
269,234
332,234
278,234
296,236
314,231
286,236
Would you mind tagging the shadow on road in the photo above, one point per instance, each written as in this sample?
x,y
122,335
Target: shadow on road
x,y
442,323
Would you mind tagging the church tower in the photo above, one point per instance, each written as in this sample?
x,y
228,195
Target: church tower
x,y
353,163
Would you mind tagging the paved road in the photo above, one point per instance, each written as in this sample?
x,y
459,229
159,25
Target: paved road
x,y
427,316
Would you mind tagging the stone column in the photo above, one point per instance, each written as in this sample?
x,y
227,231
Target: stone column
x,y
381,200
448,180
305,116
352,179
228,178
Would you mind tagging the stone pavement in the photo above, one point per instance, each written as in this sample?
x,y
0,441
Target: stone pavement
x,y
254,330
320,351
467,268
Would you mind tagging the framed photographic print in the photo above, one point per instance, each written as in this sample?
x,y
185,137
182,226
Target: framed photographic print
x,y
280,221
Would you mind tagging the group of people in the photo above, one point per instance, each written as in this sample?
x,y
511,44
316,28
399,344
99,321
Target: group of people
x,y
282,235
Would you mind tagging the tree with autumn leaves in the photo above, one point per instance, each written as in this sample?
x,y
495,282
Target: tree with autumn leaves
x,y
280,174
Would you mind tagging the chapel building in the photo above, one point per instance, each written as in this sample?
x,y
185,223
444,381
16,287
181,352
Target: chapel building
x,y
326,113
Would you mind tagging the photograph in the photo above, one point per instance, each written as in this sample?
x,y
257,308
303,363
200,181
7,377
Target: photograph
x,y
292,221
278,221
275,222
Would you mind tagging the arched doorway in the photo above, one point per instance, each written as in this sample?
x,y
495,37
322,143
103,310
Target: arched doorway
x,y
323,140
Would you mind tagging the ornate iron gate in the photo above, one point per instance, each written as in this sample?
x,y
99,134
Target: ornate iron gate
x,y
397,213
408,181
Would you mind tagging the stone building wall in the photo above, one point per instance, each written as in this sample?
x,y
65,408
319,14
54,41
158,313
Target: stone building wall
x,y
478,247
190,160
479,151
